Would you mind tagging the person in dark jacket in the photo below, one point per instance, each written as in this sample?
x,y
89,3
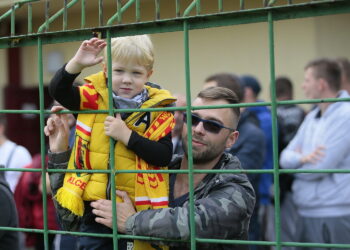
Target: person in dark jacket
x,y
9,240
29,201
224,202
250,145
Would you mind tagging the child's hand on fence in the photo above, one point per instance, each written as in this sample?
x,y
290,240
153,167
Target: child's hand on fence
x,y
116,128
86,56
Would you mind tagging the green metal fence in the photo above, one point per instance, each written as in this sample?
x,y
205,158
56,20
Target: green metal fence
x,y
187,15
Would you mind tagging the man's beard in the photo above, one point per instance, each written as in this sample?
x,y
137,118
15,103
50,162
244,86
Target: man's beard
x,y
205,156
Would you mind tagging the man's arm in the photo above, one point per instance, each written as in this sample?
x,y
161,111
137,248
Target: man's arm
x,y
67,219
336,149
58,131
224,213
326,156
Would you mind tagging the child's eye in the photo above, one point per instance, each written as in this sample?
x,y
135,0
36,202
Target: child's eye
x,y
119,70
137,73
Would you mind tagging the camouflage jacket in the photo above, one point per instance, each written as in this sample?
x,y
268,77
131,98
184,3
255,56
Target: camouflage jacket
x,y
223,205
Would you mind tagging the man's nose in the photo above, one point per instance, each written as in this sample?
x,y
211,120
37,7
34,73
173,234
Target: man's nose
x,y
198,128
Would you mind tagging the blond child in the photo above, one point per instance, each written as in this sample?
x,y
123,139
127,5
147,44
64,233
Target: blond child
x,y
143,139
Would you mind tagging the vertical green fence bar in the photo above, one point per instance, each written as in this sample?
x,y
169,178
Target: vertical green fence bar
x,y
157,9
198,7
82,13
177,8
30,18
137,11
274,130
189,134
65,15
241,4
42,140
119,11
112,173
47,15
220,6
13,16
100,12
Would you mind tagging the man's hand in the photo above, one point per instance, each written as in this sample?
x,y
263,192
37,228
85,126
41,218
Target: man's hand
x,y
86,56
116,128
314,156
57,130
103,209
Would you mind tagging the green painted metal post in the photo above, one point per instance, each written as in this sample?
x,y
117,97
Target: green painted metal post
x,y
65,15
82,14
274,130
30,18
189,134
112,173
13,25
42,141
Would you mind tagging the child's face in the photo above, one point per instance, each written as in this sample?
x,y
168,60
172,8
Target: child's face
x,y
128,79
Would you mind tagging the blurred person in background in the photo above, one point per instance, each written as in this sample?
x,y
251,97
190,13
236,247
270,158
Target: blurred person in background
x,y
252,89
177,130
12,155
29,201
322,142
289,116
250,145
9,240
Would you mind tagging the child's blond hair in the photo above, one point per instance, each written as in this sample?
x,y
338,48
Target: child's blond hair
x,y
134,49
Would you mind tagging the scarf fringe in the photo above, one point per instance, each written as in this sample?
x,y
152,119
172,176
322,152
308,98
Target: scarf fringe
x,y
70,200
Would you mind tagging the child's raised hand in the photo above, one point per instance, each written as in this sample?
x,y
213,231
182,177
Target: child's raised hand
x,y
116,128
86,56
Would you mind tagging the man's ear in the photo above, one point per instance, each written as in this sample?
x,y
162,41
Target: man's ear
x,y
323,84
232,138
2,130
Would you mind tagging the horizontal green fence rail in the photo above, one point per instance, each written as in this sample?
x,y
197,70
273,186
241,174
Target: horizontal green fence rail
x,y
219,19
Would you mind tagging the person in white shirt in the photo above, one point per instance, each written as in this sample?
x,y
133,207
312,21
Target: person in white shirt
x,y
322,142
12,156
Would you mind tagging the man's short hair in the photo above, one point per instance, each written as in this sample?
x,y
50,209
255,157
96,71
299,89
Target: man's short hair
x,y
134,49
220,93
284,87
328,70
228,80
344,65
249,81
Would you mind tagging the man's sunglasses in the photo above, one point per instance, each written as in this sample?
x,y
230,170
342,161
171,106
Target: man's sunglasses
x,y
208,125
